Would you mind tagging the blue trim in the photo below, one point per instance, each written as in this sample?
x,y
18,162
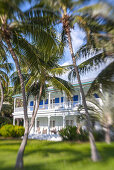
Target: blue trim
x,y
41,102
62,99
96,95
56,100
31,103
75,98
46,102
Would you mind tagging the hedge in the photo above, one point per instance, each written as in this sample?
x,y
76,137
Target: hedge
x,y
9,130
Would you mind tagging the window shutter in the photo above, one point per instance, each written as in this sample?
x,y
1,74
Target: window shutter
x,y
31,103
62,98
46,102
56,100
75,98
41,102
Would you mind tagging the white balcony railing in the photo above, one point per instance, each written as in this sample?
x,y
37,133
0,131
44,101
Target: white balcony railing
x,y
56,106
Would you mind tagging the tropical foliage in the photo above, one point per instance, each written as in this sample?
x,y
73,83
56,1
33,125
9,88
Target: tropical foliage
x,y
5,68
9,130
33,39
102,110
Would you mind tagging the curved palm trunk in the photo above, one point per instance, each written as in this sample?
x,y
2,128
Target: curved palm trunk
x,y
107,135
94,153
2,95
19,161
36,108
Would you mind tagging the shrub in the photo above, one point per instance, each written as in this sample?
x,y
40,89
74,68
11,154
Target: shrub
x,y
70,133
9,130
19,131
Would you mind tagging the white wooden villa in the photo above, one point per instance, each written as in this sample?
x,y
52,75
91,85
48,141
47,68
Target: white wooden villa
x,y
55,111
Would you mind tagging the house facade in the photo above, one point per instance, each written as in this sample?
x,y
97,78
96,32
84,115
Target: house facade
x,y
55,112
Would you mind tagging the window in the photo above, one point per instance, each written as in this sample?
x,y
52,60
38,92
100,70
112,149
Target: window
x,y
19,103
69,122
38,123
56,100
52,123
62,98
31,103
75,98
41,102
46,102
52,101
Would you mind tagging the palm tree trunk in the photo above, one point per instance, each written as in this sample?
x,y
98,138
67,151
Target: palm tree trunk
x,y
94,153
19,161
2,95
107,135
36,108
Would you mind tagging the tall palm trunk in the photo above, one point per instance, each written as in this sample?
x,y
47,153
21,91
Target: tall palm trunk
x,y
36,108
2,95
19,161
107,135
94,153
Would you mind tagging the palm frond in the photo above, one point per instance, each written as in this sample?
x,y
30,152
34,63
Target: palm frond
x,y
62,85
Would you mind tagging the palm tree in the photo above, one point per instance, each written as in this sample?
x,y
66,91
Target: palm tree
x,y
37,75
16,27
38,86
63,10
101,26
9,30
5,68
104,78
102,109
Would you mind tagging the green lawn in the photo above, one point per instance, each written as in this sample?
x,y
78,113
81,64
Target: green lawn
x,y
43,155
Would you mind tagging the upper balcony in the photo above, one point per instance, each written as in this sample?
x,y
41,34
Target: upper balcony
x,y
54,106
54,100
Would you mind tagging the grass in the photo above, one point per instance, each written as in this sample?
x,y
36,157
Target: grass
x,y
44,155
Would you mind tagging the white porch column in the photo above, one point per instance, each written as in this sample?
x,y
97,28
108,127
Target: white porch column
x,y
63,121
49,98
14,103
48,132
35,130
13,120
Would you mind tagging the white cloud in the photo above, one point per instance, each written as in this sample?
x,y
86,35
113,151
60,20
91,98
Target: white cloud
x,y
67,63
78,36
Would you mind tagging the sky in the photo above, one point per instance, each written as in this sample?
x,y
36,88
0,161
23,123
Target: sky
x,y
77,41
78,37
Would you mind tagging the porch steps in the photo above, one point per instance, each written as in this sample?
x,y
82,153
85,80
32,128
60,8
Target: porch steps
x,y
49,137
